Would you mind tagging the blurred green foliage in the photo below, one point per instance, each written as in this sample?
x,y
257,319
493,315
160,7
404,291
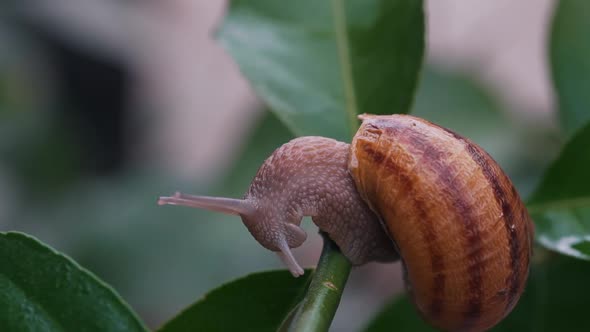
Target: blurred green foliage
x,y
570,62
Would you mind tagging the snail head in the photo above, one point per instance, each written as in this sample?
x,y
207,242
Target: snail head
x,y
265,222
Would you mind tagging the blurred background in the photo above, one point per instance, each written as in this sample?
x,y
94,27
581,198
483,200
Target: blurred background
x,y
106,104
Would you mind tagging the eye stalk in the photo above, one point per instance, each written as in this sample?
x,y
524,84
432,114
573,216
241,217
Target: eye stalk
x,y
218,204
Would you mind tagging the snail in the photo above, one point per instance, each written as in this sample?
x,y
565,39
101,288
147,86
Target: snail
x,y
404,189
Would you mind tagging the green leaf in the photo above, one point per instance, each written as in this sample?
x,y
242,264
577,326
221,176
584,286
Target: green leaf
x,y
42,290
399,316
317,64
553,301
560,205
570,62
258,302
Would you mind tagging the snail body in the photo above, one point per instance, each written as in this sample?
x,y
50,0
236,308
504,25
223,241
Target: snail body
x,y
403,189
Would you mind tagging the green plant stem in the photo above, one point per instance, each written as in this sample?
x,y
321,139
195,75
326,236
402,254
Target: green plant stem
x,y
318,307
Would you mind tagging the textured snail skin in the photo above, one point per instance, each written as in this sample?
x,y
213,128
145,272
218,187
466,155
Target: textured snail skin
x,y
461,229
308,176
405,188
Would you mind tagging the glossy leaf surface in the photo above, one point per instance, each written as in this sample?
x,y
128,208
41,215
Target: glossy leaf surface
x,y
318,64
258,302
560,205
42,290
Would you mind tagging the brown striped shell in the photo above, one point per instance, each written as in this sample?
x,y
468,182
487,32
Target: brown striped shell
x,y
461,229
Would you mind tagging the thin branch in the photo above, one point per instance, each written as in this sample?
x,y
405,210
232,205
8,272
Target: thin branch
x,y
318,307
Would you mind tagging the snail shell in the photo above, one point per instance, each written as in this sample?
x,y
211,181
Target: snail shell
x,y
461,229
